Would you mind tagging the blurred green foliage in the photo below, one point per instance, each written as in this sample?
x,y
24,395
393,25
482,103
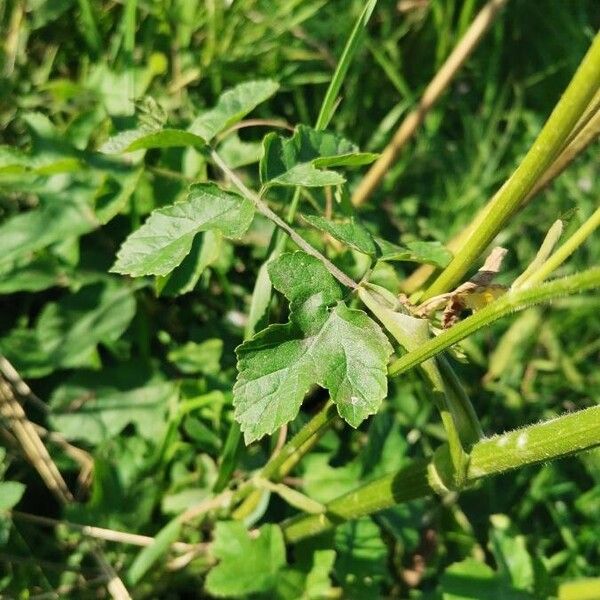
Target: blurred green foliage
x,y
140,373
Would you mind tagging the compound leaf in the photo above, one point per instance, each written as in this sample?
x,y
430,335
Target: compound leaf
x,y
324,343
166,237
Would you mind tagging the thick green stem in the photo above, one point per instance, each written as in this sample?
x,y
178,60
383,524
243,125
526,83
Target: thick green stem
x,y
552,439
549,143
537,443
407,484
512,301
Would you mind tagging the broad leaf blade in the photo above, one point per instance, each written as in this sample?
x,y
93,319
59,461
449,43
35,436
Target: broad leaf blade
x,y
232,106
166,237
300,160
144,139
325,343
349,232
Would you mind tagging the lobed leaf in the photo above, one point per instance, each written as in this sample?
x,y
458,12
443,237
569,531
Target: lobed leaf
x,y
166,237
325,343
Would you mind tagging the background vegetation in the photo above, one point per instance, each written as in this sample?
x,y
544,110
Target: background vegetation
x,y
135,377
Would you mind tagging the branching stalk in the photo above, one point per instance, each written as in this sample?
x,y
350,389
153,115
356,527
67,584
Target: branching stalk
x,y
512,301
548,144
537,443
587,136
264,209
559,257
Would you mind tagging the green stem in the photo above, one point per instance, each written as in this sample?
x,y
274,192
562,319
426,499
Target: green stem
x,y
537,443
512,301
559,257
264,209
548,144
408,483
261,294
462,427
289,456
286,459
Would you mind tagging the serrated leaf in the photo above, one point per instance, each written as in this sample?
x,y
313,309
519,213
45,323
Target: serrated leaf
x,y
166,237
246,565
430,253
144,139
300,160
349,232
232,106
324,343
206,251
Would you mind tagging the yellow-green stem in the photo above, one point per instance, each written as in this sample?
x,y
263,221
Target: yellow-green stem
x,y
548,144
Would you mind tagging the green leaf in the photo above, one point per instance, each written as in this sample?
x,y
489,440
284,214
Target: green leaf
x,y
15,162
510,551
206,251
299,160
67,332
311,582
324,343
430,253
349,232
318,582
96,407
53,221
10,494
33,274
166,237
330,102
144,139
472,580
150,554
246,565
232,106
362,556
238,153
113,194
198,358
